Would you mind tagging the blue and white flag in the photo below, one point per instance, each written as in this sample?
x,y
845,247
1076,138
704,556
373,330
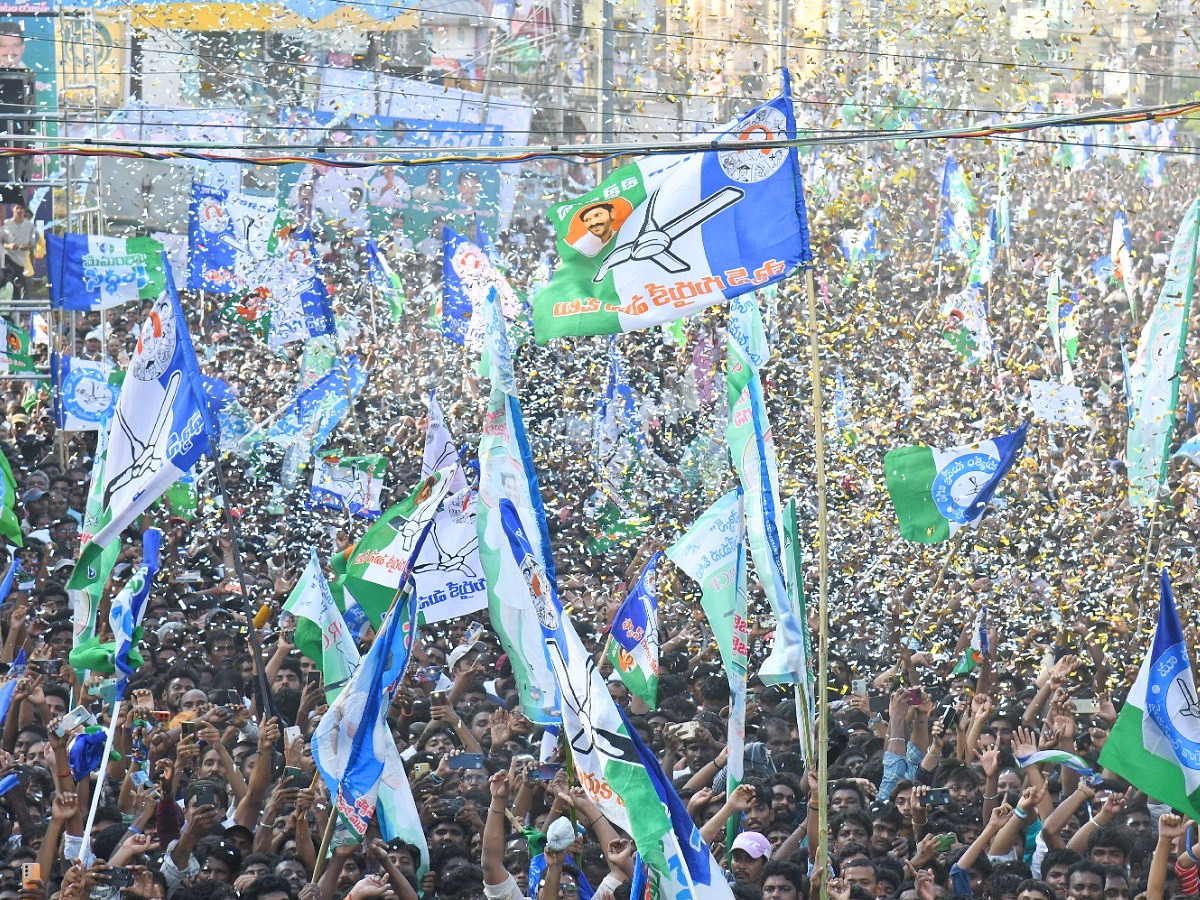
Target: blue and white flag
x,y
318,409
297,297
634,651
237,432
985,256
352,745
1190,449
484,242
681,866
94,271
857,244
161,426
467,277
125,614
229,238
618,436
1120,249
9,686
84,394
957,207
669,235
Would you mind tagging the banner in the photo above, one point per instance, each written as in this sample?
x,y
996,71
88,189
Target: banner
x,y
229,237
85,392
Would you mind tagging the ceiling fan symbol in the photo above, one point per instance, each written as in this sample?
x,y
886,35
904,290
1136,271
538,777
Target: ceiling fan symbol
x,y
653,241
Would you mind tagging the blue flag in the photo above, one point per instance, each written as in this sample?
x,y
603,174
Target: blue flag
x,y
95,271
125,614
15,671
318,409
228,238
633,616
84,394
468,277
298,298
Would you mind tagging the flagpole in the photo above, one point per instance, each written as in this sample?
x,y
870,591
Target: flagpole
x,y
267,702
326,840
822,862
941,576
86,848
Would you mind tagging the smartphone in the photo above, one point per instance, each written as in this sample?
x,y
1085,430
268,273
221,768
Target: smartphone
x,y
879,704
428,674
189,728
138,777
949,718
163,715
455,804
938,797
31,873
1086,706
547,771
313,677
76,717
466,761
206,796
51,666
119,876
233,698
859,686
914,697
945,842
420,770
291,733
294,778
438,697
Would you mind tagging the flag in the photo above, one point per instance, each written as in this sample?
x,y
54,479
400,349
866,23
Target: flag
x,y
857,244
1121,250
1190,449
319,408
936,492
957,208
449,573
160,427
1057,758
843,411
350,483
977,648
634,647
85,588
9,686
375,568
353,748
17,355
1003,205
383,278
85,392
484,242
966,326
1155,370
229,237
680,864
1059,404
297,300
1155,743
667,236
618,514
9,526
125,614
985,255
468,275
237,433
95,271
753,450
517,593
321,633
1063,321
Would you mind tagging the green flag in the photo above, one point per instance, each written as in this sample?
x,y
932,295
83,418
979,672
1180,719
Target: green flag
x,y
321,632
18,354
86,585
9,526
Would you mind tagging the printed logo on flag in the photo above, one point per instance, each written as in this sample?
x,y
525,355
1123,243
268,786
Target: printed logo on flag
x,y
1170,690
956,486
87,394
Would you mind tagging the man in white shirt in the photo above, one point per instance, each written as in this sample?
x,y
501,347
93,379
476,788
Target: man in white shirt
x,y
19,234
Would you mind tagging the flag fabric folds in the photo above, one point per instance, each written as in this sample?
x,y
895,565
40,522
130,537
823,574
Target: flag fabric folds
x,y
957,208
16,352
667,236
1121,250
966,326
468,276
619,443
229,237
160,426
517,589
1154,375
1155,743
125,614
936,492
350,483
634,647
9,526
384,279
95,271
321,633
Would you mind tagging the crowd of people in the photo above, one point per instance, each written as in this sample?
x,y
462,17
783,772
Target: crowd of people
x,y
210,794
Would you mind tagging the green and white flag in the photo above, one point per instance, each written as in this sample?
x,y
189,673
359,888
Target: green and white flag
x,y
86,585
9,526
793,557
1154,375
350,483
321,632
18,354
936,492
371,571
506,472
96,271
1155,744
1063,321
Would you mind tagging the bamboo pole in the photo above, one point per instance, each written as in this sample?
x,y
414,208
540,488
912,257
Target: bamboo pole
x,y
822,861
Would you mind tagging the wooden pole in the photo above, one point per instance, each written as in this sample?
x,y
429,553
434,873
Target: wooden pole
x,y
941,576
325,841
818,407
